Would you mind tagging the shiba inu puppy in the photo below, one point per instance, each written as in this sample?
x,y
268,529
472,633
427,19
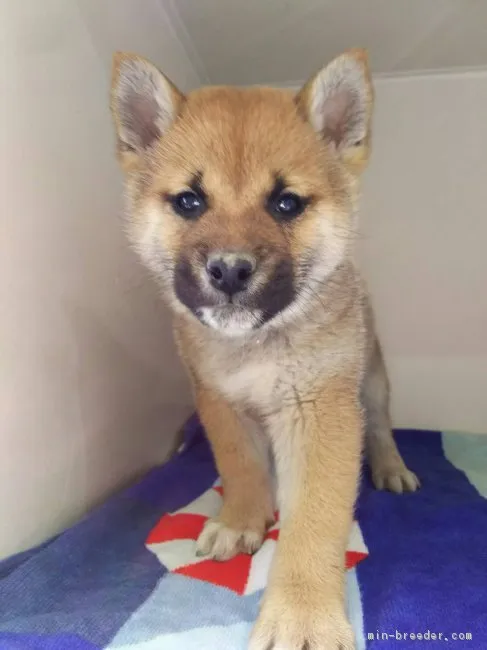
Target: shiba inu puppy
x,y
243,204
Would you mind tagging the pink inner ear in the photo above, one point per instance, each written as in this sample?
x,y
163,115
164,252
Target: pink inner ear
x,y
337,115
139,118
343,117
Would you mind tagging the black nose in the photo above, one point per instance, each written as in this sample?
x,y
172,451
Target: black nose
x,y
230,273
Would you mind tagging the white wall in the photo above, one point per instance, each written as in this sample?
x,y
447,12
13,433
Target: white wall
x,y
90,388
425,246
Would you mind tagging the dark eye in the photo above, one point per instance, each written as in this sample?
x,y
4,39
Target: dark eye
x,y
286,206
189,205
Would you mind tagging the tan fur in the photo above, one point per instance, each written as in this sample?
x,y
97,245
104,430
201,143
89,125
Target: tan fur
x,y
287,399
248,507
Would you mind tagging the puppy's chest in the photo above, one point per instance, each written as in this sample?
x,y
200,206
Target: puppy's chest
x,y
261,378
253,382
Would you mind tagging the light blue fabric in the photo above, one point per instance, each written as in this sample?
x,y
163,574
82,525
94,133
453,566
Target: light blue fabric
x,y
468,452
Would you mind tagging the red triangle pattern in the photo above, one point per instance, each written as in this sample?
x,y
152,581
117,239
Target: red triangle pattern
x,y
173,527
232,574
272,534
352,558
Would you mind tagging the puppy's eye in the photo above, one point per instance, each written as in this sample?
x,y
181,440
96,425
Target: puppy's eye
x,y
286,206
188,205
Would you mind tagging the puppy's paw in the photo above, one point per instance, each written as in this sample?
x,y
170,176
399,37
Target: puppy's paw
x,y
219,541
394,476
289,622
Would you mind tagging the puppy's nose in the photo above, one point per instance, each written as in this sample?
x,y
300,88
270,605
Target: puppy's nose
x,y
230,272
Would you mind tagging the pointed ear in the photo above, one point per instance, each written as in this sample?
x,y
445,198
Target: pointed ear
x,y
338,102
144,103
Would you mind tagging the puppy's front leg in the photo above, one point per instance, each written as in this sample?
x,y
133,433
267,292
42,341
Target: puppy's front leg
x,y
318,463
247,507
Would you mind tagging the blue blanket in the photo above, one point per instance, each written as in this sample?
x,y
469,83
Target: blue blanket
x,y
98,586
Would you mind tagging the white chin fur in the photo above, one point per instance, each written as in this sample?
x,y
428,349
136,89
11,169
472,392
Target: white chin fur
x,y
232,324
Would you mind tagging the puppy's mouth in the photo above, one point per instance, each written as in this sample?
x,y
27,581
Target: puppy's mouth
x,y
230,319
240,313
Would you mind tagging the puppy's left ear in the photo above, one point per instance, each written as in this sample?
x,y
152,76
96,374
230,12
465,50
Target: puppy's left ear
x,y
338,103
144,105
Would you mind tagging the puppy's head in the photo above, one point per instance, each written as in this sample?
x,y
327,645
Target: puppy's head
x,y
241,201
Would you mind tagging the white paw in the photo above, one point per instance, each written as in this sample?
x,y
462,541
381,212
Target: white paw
x,y
285,623
395,477
220,542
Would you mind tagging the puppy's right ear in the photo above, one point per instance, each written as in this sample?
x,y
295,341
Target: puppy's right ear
x,y
338,103
144,103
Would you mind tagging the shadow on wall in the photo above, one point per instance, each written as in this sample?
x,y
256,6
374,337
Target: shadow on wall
x,y
123,402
